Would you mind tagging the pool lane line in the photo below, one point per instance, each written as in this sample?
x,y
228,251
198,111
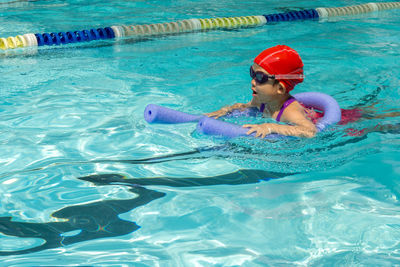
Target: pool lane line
x,y
184,26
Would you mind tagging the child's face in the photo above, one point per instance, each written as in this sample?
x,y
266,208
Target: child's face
x,y
263,92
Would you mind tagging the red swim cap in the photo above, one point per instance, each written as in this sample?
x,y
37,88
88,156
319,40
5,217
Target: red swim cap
x,y
282,60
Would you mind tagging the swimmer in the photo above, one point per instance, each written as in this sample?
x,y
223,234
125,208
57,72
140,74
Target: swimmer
x,y
275,73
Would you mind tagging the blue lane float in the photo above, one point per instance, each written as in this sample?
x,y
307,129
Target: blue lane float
x,y
209,126
74,36
293,15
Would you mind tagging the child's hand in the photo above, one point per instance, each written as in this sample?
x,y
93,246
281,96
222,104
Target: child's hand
x,y
225,110
261,130
218,113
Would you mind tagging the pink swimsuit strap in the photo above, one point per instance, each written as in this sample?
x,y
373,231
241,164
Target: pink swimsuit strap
x,y
289,101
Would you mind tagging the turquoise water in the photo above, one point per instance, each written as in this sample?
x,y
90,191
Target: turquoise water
x,y
71,129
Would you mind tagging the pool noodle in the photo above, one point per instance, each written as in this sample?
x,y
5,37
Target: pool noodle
x,y
212,126
158,114
327,104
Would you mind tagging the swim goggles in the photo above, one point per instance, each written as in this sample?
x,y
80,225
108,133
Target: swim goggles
x,y
262,78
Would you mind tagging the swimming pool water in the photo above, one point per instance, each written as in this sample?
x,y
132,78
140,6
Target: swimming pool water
x,y
74,142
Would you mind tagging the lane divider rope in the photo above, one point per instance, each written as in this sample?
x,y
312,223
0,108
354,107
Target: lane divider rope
x,y
183,26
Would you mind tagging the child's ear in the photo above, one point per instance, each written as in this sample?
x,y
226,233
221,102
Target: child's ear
x,y
281,89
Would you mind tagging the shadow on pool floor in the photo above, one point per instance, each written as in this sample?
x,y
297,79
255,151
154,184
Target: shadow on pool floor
x,y
100,219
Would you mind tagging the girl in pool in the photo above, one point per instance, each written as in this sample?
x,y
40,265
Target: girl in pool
x,y
274,74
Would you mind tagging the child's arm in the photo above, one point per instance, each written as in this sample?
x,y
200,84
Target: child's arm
x,y
301,126
225,110
299,130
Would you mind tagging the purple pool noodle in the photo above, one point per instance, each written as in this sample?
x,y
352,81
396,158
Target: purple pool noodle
x,y
157,114
212,126
320,101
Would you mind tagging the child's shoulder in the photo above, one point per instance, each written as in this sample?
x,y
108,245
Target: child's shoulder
x,y
295,111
